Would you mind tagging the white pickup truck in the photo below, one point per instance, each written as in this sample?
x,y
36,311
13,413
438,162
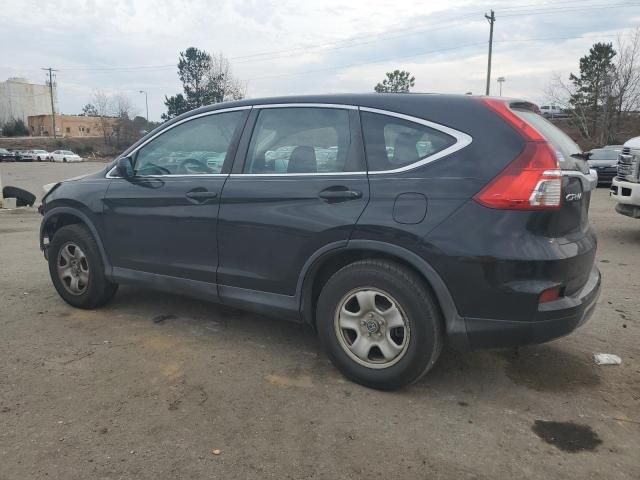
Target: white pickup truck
x,y
625,187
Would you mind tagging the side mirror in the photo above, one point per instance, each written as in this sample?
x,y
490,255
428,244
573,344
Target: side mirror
x,y
124,167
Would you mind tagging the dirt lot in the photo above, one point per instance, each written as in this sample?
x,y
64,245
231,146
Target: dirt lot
x,y
121,392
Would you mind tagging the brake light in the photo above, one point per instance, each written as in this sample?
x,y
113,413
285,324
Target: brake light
x,y
533,181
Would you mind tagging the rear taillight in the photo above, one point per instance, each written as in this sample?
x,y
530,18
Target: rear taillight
x,y
533,181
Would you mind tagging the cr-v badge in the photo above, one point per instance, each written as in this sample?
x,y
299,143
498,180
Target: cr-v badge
x,y
572,197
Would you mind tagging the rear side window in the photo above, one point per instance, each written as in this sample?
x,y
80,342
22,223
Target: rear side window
x,y
301,140
393,143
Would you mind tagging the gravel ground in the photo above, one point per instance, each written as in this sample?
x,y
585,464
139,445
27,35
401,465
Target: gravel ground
x,y
150,385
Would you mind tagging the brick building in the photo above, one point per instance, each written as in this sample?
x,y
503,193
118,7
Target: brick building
x,y
70,126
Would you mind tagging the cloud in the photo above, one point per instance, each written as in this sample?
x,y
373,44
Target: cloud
x,y
321,46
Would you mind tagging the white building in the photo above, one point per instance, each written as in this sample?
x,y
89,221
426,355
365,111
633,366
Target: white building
x,y
19,99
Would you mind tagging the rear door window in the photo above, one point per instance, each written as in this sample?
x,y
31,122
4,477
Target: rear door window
x,y
294,140
392,142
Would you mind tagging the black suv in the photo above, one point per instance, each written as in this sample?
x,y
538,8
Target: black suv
x,y
391,223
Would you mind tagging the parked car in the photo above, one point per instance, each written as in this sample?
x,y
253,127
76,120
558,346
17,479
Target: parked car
x,y
40,155
625,187
27,156
64,156
605,162
6,155
472,229
552,111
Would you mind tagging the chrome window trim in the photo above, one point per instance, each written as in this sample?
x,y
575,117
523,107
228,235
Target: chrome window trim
x,y
293,174
307,105
184,120
462,140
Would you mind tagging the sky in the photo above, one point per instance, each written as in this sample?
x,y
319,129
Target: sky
x,y
284,47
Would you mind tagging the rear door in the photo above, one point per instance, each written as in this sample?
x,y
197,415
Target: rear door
x,y
299,184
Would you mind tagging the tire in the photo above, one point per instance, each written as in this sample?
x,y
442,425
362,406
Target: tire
x,y
64,160
390,284
23,197
96,290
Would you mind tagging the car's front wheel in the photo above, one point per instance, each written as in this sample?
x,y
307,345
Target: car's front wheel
x,y
379,324
76,268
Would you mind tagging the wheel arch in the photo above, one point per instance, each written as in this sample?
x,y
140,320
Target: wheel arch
x,y
329,260
60,216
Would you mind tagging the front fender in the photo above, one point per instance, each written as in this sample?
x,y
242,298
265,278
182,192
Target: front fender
x,y
52,213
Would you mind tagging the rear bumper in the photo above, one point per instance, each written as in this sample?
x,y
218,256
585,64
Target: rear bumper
x,y
552,320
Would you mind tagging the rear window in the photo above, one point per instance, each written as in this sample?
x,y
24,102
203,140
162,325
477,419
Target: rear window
x,y
560,140
392,142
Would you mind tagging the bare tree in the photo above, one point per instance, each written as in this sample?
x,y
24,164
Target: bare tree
x,y
102,104
627,78
226,85
122,106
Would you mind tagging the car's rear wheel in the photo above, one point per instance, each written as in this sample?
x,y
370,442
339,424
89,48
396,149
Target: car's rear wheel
x,y
64,160
379,324
76,268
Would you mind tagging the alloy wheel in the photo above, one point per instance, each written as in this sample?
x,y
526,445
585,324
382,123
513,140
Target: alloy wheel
x,y
73,268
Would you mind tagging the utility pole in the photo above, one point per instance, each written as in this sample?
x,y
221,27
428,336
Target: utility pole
x,y
53,111
492,20
146,102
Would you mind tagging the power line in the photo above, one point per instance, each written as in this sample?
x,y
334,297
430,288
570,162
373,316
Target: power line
x,y
430,52
548,11
353,42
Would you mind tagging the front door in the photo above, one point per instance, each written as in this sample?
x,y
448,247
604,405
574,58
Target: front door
x,y
163,220
301,186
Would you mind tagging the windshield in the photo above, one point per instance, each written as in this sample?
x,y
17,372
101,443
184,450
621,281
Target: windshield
x,y
602,154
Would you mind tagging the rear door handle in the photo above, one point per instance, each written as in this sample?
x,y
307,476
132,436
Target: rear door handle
x,y
332,194
200,196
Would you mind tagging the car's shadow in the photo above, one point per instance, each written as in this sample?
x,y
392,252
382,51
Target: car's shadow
x,y
546,368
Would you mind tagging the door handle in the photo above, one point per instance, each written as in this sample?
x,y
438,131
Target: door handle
x,y
200,196
342,194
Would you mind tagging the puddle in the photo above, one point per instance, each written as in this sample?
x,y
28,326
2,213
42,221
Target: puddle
x,y
567,436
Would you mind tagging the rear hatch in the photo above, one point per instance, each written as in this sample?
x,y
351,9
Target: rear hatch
x,y
577,180
550,180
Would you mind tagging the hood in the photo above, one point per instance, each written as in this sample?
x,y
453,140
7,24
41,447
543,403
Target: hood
x,y
633,143
49,186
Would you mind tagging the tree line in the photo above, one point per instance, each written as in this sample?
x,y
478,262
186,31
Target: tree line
x,y
603,99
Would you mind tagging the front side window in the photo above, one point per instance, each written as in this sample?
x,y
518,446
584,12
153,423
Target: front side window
x,y
198,146
301,140
392,142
